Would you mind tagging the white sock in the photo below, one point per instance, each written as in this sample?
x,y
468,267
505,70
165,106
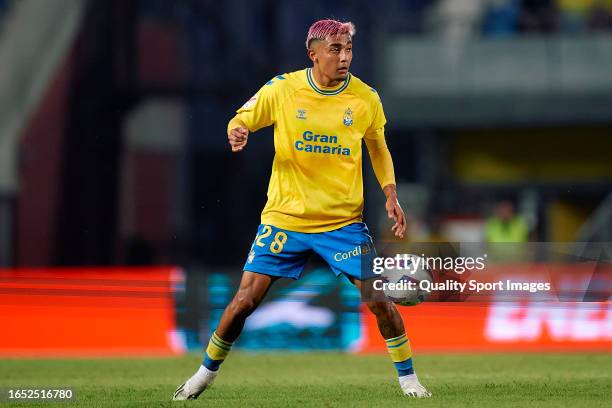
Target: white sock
x,y
409,377
204,372
200,377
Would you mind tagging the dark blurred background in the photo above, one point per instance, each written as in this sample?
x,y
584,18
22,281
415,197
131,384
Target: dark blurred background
x,y
113,119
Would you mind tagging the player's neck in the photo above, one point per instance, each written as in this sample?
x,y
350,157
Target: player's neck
x,y
324,80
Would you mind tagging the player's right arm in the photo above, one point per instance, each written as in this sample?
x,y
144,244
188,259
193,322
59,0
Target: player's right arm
x,y
237,134
256,113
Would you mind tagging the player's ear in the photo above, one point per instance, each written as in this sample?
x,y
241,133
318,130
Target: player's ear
x,y
312,55
312,50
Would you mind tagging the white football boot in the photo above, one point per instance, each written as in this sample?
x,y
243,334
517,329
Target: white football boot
x,y
412,387
194,386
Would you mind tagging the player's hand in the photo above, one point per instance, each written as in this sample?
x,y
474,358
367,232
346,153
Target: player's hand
x,y
394,211
238,138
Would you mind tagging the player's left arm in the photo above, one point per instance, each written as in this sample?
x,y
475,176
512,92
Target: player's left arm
x,y
383,168
382,163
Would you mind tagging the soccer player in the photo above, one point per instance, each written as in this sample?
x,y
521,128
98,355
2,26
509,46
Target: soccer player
x,y
315,196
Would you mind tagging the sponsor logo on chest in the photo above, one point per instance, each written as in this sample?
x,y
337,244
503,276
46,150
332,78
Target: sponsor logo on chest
x,y
312,142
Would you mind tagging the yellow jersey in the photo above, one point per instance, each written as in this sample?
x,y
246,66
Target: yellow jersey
x,y
316,183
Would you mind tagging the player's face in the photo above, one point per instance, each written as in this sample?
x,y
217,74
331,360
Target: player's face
x,y
334,56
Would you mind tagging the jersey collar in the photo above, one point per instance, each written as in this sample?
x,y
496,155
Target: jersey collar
x,y
327,92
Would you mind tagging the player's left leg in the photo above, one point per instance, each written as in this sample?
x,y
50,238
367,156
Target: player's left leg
x,y
392,329
350,251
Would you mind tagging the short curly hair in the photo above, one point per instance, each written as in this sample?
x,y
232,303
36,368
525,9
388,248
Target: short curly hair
x,y
322,29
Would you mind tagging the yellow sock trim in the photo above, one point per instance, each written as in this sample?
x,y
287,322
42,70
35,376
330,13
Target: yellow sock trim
x,y
218,349
396,340
400,351
220,340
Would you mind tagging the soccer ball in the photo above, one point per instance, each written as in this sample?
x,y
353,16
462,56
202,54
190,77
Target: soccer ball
x,y
397,287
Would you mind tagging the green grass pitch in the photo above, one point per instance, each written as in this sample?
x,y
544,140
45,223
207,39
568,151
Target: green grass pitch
x,y
326,380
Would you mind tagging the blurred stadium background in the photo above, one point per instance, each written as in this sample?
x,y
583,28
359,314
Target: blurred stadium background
x,y
125,219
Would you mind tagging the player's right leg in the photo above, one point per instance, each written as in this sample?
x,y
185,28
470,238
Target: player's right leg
x,y
275,253
252,290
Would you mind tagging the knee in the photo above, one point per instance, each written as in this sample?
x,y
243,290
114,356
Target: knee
x,y
243,304
382,310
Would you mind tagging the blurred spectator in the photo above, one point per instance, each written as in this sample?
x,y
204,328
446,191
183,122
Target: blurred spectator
x,y
538,16
600,18
501,18
456,19
505,226
574,14
505,234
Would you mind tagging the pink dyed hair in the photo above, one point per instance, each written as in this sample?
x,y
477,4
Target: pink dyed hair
x,y
322,29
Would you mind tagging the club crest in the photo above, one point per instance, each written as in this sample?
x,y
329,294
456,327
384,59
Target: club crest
x,y
348,117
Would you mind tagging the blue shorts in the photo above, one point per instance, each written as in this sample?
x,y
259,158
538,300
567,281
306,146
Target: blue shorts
x,y
278,252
